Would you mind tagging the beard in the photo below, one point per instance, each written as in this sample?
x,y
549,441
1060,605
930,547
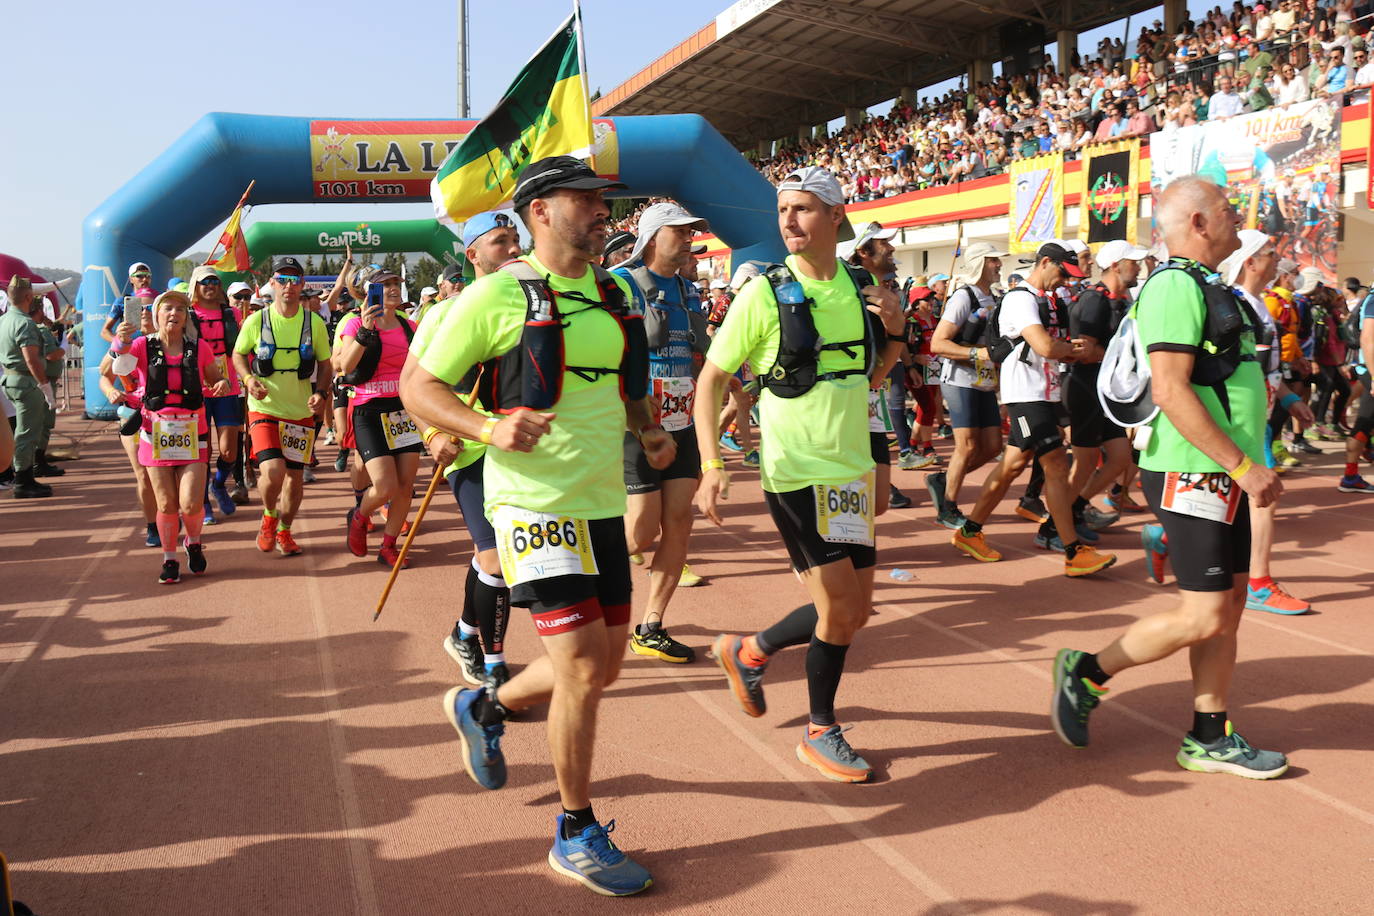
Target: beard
x,y
589,239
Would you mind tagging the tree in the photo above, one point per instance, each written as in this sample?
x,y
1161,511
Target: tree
x,y
182,268
425,273
327,267
309,266
394,262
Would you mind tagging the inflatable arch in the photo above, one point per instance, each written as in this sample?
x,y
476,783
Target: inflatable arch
x,y
188,190
428,236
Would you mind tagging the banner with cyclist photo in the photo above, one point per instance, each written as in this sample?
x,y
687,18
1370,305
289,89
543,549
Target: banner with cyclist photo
x,y
1281,167
1036,214
1110,202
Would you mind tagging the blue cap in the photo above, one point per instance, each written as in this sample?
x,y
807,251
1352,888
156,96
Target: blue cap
x,y
483,223
936,278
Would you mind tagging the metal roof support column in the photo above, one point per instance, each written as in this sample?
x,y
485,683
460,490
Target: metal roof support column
x,y
854,116
1067,43
1175,12
979,71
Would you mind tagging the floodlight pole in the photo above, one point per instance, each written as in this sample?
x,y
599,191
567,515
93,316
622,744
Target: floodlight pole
x,y
462,58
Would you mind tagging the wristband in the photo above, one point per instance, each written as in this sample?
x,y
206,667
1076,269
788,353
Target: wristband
x,y
1241,469
973,354
429,433
1288,400
896,338
485,435
712,464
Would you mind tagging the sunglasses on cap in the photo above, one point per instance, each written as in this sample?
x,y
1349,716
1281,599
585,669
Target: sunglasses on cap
x,y
503,219
288,279
209,281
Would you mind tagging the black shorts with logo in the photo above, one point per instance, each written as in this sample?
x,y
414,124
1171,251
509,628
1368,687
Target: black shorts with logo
x,y
641,478
610,586
881,447
1205,555
1035,426
794,512
367,419
1088,423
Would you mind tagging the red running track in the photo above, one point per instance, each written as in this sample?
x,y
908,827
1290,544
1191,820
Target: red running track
x,y
251,742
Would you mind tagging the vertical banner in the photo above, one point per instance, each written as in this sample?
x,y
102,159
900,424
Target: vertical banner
x,y
1110,204
1281,168
1037,202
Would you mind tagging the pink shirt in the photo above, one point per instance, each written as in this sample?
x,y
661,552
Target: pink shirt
x,y
204,358
212,332
386,381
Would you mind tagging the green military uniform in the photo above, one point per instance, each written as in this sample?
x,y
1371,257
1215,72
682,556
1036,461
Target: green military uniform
x,y
18,331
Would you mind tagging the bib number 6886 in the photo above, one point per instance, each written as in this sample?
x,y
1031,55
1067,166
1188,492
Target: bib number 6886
x,y
538,535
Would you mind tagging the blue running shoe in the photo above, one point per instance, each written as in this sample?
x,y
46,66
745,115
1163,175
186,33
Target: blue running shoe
x,y
591,857
751,460
1086,534
727,441
1156,550
1231,754
209,515
1356,484
227,506
482,756
153,539
829,752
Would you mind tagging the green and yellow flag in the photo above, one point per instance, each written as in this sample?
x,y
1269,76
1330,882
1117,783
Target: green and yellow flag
x,y
545,112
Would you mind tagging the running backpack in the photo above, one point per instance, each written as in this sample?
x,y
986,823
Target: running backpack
x,y
156,391
263,362
655,317
371,339
1350,327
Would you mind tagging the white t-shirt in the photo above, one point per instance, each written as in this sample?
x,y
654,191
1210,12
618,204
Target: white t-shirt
x,y
958,372
1035,378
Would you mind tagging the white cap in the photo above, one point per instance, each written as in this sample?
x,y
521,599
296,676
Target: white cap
x,y
239,287
718,283
429,291
1077,246
655,217
137,266
1251,241
820,181
743,274
873,231
1119,250
1309,278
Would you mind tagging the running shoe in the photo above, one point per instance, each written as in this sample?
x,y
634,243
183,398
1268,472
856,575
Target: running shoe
x,y
1096,519
1356,484
1074,699
1032,509
751,460
1302,445
727,441
170,574
1283,457
1120,501
593,859
829,752
946,432
152,538
482,756
388,554
1275,600
746,681
468,654
637,559
1156,550
1086,561
309,475
386,517
267,534
195,558
950,517
356,537
935,483
1086,534
496,674
209,515
1327,434
906,459
239,494
658,644
924,460
329,436
227,506
286,545
1230,754
897,499
341,462
975,545
930,453
1049,541
688,579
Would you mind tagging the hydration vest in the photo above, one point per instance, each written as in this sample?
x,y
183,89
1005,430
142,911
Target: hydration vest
x,y
263,361
231,326
655,316
371,339
1000,346
156,391
531,374
797,367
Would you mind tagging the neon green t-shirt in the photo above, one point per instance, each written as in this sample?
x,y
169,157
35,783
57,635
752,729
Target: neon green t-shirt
x,y
1170,315
432,317
822,436
287,396
576,469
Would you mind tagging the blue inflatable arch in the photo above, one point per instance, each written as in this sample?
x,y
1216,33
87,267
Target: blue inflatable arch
x,y
187,191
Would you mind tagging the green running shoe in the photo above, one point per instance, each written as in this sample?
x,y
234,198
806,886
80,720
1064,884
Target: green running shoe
x,y
1074,698
1231,754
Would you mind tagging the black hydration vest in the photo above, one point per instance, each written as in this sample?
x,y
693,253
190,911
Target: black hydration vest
x,y
371,339
156,391
797,368
263,361
1053,317
655,317
231,327
531,374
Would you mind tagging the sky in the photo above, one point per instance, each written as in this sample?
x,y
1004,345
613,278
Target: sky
x,y
112,85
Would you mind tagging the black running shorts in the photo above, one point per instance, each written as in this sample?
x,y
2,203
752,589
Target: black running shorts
x,y
1035,427
1205,555
794,513
641,478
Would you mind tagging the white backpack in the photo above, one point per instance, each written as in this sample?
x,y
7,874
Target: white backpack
x,y
1123,383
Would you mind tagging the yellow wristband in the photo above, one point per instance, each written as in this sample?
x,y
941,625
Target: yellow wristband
x,y
712,464
485,436
1241,469
429,433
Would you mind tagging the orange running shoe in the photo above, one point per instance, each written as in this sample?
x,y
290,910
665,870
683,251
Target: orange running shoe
x,y
1274,599
267,534
976,546
1087,561
286,544
828,751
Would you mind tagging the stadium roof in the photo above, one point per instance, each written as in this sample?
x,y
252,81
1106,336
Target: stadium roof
x,y
763,67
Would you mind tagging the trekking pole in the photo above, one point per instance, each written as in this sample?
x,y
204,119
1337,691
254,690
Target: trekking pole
x,y
415,525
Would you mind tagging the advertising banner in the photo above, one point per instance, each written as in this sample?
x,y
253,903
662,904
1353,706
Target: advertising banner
x,y
1037,202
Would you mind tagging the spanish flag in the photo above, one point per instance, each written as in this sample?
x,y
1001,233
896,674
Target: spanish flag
x,y
235,257
545,112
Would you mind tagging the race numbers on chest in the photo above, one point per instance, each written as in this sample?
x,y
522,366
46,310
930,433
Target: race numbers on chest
x,y
844,513
879,420
1215,497
222,367
297,442
984,373
674,397
174,439
400,430
537,545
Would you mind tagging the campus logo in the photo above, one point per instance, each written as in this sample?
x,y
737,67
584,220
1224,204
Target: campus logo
x,y
361,237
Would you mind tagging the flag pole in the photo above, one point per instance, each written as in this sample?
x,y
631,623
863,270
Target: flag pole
x,y
242,200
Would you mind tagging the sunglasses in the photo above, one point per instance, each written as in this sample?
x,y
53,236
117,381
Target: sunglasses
x,y
502,219
243,296
209,281
288,279
142,275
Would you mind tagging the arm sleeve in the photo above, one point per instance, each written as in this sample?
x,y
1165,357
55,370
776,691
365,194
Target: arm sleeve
x,y
1171,313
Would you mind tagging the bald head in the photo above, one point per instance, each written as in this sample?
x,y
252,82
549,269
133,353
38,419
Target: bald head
x,y
1198,220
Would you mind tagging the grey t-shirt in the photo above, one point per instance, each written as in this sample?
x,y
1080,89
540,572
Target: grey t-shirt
x,y
961,372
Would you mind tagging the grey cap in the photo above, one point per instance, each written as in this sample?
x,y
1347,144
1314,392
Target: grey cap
x,y
655,217
820,181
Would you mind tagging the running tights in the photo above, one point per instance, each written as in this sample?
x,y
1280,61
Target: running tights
x,y
1331,382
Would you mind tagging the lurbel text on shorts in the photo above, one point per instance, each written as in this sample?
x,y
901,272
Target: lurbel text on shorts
x,y
561,621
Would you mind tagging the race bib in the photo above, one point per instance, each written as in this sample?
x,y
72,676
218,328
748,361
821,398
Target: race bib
x,y
844,514
537,545
1215,497
879,420
985,373
174,439
297,442
399,429
674,397
222,365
